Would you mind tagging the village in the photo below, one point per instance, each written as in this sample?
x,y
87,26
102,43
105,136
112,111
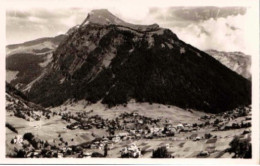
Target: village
x,y
129,135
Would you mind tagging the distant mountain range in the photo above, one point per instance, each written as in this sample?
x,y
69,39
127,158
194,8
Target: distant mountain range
x,y
236,61
106,59
27,61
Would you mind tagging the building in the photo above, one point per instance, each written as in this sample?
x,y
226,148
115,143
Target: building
x,y
131,151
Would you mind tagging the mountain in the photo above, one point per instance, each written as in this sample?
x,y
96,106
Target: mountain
x,y
106,59
236,61
25,62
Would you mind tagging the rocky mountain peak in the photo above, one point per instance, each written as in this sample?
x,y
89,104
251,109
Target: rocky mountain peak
x,y
104,17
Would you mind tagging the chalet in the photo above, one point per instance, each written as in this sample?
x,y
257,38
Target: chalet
x,y
203,154
18,139
110,145
36,153
101,145
74,127
140,131
154,129
167,146
29,155
132,131
138,136
193,136
86,154
180,126
93,146
116,139
131,151
60,155
187,125
135,113
140,121
123,134
248,118
197,138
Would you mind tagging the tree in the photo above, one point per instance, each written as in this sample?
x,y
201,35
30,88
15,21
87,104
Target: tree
x,y
207,135
96,154
20,153
28,136
161,152
105,150
8,125
241,147
216,121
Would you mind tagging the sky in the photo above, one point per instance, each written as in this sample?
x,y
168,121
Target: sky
x,y
221,28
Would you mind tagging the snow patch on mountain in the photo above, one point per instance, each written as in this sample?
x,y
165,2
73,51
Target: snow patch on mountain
x,y
11,75
47,60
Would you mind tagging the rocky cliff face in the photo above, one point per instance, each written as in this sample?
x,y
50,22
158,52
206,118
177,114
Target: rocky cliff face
x,y
114,62
236,61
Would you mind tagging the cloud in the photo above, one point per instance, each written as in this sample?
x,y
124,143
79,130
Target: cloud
x,y
223,34
29,24
223,29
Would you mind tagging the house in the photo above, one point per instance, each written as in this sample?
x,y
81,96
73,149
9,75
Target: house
x,y
93,146
197,138
86,154
132,131
60,155
203,154
36,153
193,136
135,113
140,131
188,125
140,121
248,118
30,154
131,151
116,139
123,134
101,146
154,129
180,126
168,125
110,145
18,139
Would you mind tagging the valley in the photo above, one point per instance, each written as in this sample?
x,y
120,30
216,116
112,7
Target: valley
x,y
88,129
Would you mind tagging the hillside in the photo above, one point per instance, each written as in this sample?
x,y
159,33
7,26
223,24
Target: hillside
x,y
19,106
118,62
27,61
